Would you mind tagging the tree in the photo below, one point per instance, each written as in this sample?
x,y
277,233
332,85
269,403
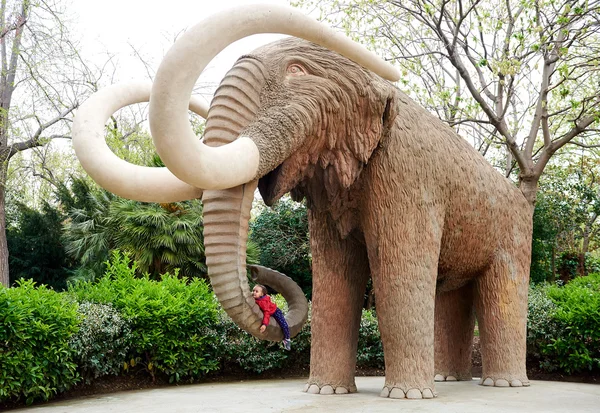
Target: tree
x,y
566,218
40,79
88,234
525,72
159,237
36,251
281,234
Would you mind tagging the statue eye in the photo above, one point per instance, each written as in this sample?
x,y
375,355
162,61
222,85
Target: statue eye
x,y
296,70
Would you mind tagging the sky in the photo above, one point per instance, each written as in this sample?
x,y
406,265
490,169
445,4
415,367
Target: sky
x,y
125,28
128,28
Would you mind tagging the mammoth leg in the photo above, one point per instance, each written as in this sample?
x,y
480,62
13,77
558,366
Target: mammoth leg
x,y
340,272
454,323
403,260
501,308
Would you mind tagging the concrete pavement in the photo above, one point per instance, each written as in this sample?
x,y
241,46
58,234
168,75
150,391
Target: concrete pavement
x,y
286,396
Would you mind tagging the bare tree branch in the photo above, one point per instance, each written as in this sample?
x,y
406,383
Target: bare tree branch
x,y
36,139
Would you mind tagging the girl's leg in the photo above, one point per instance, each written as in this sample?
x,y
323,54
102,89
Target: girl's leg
x,y
278,315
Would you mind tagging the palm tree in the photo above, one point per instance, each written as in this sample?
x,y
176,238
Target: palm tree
x,y
160,237
87,233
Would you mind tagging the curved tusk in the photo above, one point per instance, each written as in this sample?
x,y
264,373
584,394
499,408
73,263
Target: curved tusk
x,y
235,163
108,170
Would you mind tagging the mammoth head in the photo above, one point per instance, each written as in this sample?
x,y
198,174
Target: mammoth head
x,y
317,110
278,114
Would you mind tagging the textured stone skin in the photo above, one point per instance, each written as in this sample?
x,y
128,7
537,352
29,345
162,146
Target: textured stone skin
x,y
393,194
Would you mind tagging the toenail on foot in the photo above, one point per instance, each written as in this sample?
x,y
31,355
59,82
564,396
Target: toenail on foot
x,y
414,394
327,390
501,383
397,393
488,382
341,390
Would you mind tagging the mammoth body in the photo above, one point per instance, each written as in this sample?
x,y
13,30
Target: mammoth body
x,y
393,194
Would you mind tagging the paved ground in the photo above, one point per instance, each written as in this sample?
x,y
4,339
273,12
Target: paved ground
x,y
286,396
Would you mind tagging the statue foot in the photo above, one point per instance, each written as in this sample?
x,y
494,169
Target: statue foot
x,y
394,392
453,377
440,377
499,381
328,389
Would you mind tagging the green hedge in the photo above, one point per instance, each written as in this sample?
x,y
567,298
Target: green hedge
x,y
370,348
36,325
238,348
170,319
103,341
564,325
174,328
256,356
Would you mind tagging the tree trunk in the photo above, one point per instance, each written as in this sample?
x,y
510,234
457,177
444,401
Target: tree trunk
x,y
4,274
581,268
529,187
371,299
509,161
553,263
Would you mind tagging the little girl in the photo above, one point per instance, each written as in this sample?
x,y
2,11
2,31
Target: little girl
x,y
259,292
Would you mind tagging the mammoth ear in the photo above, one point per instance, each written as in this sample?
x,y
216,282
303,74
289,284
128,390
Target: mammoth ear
x,y
381,108
374,114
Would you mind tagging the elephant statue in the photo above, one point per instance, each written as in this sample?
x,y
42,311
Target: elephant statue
x,y
392,193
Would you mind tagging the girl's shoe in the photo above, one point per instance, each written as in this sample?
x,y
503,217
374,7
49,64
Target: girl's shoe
x,y
287,344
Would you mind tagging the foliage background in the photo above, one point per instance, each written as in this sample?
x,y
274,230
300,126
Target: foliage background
x,y
281,235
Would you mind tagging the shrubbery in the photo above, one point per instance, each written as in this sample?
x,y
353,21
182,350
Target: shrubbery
x,y
170,319
102,343
173,328
370,348
256,356
564,325
36,325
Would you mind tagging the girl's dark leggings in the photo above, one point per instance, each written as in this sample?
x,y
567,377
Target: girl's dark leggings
x,y
278,315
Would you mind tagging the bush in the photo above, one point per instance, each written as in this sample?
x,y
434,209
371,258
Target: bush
x,y
102,342
36,326
170,319
240,348
370,348
541,327
577,348
253,355
564,325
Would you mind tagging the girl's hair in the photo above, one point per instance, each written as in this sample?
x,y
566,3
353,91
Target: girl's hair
x,y
263,288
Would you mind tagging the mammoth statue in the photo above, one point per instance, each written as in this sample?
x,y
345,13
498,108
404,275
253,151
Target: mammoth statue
x,y
393,194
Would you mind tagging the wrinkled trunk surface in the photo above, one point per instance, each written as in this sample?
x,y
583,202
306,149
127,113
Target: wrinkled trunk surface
x,y
227,212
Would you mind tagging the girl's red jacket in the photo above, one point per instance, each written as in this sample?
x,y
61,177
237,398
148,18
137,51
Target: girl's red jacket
x,y
267,307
